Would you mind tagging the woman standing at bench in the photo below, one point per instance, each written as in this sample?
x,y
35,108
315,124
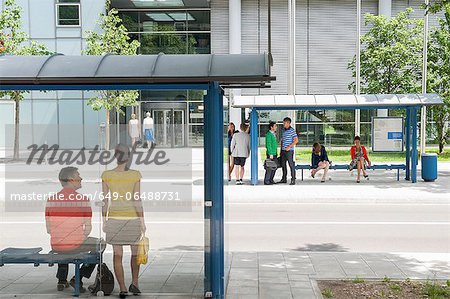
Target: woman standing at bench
x,y
319,160
359,158
123,215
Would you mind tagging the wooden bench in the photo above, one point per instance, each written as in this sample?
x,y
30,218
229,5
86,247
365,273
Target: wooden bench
x,y
33,256
397,167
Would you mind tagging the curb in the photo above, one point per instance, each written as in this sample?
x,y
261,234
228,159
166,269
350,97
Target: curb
x,y
316,289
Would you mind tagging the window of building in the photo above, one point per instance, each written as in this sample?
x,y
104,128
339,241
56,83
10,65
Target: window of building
x,y
169,32
68,13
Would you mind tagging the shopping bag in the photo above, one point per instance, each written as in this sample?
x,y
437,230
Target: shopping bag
x,y
142,254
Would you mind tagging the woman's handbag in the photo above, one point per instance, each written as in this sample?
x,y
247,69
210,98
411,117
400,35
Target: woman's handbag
x,y
142,254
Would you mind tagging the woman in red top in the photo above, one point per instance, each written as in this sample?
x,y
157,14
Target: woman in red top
x,y
359,158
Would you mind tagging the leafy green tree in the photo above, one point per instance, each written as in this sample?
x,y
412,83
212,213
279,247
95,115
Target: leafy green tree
x,y
167,42
439,75
436,6
13,41
113,39
391,54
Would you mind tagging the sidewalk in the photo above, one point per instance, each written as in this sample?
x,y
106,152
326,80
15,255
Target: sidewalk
x,y
294,274
276,275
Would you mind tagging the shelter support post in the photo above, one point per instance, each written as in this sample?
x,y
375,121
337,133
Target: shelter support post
x,y
214,205
254,146
357,122
408,144
414,156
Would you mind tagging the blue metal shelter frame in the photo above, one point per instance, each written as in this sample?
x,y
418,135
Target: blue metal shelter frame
x,y
214,284
411,122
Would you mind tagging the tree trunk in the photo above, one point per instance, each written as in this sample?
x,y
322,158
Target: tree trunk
x,y
440,128
16,126
107,133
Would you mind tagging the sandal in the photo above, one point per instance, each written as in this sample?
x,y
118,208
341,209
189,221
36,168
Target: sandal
x,y
134,290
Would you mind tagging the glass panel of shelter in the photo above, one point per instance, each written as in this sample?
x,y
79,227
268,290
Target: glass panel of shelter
x,y
175,265
176,261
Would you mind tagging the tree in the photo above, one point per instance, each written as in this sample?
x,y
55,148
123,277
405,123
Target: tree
x,y
391,55
113,39
167,42
13,42
439,75
436,6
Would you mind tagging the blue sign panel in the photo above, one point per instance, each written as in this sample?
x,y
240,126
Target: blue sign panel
x,y
395,135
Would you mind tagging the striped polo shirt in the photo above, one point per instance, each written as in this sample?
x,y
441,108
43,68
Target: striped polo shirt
x,y
288,138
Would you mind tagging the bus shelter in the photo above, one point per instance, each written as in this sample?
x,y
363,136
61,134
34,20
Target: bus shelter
x,y
210,73
411,103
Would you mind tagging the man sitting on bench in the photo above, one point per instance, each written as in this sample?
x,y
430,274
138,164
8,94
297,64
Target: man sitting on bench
x,y
68,219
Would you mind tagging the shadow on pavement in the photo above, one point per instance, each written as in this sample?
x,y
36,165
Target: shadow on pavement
x,y
331,247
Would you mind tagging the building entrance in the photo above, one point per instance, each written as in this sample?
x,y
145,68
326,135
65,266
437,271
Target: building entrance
x,y
169,123
169,127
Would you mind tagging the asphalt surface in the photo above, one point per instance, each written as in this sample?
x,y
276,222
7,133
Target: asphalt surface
x,y
359,227
380,215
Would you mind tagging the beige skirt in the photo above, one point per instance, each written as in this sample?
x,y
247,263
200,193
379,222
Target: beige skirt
x,y
123,232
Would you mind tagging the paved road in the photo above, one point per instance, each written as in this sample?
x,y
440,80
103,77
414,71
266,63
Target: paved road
x,y
340,227
380,215
359,227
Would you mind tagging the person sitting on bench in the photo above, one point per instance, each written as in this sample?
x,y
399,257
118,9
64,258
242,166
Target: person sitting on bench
x,y
359,158
319,160
68,219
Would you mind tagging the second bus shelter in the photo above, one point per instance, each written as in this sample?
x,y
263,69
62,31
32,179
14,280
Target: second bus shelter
x,y
411,103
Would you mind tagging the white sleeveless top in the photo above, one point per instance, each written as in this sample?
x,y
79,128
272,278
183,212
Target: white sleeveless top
x,y
134,129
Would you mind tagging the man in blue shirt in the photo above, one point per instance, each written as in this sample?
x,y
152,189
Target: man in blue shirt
x,y
288,142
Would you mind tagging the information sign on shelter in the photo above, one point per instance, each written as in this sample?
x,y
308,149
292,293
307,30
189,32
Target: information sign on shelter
x,y
387,134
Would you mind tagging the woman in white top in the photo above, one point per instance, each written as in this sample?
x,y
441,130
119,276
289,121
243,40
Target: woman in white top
x,y
147,129
134,129
240,150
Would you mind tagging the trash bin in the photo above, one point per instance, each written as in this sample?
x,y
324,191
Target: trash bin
x,y
429,167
